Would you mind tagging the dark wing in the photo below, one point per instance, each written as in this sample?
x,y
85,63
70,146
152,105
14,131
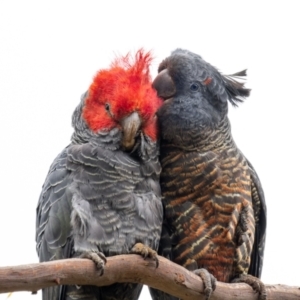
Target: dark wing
x,y
53,232
260,214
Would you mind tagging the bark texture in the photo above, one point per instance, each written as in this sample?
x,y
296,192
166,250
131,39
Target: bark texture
x,y
168,277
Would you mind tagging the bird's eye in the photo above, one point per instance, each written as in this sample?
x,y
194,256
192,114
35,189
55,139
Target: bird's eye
x,y
107,107
194,87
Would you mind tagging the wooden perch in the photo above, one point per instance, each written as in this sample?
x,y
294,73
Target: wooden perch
x,y
168,277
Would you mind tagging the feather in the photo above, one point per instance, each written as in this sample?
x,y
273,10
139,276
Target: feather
x,y
235,89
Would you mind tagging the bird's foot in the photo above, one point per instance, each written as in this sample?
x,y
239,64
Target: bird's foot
x,y
209,281
145,252
257,285
98,258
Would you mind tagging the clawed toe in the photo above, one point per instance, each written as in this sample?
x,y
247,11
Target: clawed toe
x,y
257,285
209,281
98,258
145,252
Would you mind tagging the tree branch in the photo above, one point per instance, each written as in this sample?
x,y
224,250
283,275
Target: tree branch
x,y
168,277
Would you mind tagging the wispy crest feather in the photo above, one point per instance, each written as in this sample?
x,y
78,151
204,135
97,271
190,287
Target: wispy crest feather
x,y
235,89
135,65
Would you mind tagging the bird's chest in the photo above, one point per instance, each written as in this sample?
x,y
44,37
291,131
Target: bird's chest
x,y
110,208
204,193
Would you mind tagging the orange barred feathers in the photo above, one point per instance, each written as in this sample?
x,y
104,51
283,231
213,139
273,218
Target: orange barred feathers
x,y
125,87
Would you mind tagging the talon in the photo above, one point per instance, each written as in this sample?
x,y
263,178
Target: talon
x,y
145,252
98,258
256,284
209,281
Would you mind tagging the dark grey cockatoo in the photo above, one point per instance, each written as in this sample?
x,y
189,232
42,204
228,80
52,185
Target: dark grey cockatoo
x,y
102,196
215,211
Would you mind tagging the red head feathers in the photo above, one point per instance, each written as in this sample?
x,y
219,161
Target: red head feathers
x,y
122,89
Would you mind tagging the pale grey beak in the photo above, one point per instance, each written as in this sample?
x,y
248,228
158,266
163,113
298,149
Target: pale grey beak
x,y
131,125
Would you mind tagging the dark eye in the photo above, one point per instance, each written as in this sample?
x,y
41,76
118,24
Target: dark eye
x,y
194,87
107,107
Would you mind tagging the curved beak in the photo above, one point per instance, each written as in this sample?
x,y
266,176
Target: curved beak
x,y
131,125
164,85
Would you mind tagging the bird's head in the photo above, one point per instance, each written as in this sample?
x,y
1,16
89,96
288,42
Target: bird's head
x,y
185,76
122,97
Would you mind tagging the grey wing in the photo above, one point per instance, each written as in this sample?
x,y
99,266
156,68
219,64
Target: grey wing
x,y
53,232
260,214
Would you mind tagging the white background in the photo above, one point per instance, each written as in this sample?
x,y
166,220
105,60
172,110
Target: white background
x,y
50,50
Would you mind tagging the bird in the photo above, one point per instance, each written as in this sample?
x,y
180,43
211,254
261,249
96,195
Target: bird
x,y
214,205
102,195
